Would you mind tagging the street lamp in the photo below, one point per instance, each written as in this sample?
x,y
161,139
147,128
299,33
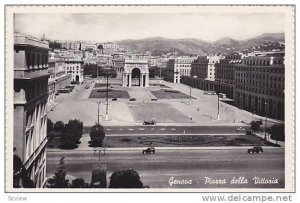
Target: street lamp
x,y
218,116
266,119
106,113
98,102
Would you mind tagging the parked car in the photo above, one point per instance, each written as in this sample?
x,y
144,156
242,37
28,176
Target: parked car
x,y
255,150
132,99
115,99
240,129
149,150
153,99
152,122
56,94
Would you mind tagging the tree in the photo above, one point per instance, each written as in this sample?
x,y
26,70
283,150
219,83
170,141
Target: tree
x,y
72,133
59,126
277,132
69,138
59,179
99,177
20,177
78,183
255,126
97,135
77,128
125,179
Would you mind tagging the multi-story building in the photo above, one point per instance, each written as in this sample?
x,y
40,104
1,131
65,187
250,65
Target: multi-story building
x,y
199,67
30,101
260,85
178,67
58,78
224,74
75,68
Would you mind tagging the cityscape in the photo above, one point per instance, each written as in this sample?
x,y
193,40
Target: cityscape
x,y
148,112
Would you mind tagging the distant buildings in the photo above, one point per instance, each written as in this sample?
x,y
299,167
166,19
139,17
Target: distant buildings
x,y
58,78
30,100
178,67
75,68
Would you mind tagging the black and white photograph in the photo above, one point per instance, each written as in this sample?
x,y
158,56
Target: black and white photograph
x,y
149,98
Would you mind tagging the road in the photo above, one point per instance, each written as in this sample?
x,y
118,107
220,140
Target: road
x,y
129,130
193,166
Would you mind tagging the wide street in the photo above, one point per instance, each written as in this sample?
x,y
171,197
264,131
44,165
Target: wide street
x,y
158,130
194,166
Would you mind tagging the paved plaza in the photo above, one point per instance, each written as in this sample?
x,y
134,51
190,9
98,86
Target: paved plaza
x,y
202,111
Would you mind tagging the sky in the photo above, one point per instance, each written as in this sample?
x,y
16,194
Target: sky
x,y
119,26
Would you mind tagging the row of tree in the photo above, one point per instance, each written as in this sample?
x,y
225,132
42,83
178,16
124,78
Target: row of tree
x,y
128,178
69,133
91,69
276,130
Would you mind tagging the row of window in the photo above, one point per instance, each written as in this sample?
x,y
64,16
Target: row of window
x,y
262,62
261,91
265,70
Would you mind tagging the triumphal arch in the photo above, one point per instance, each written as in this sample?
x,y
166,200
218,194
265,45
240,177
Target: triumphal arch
x,y
136,70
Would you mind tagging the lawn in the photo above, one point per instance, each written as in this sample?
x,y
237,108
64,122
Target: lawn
x,y
169,94
111,94
160,112
171,141
185,140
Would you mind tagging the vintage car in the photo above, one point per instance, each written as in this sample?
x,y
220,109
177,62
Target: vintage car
x,y
149,150
255,150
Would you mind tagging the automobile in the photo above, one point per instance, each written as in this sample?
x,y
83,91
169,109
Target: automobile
x,y
132,99
255,150
152,122
153,99
114,99
56,94
240,129
149,150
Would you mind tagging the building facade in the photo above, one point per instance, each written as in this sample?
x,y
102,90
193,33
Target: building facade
x,y
260,85
178,67
75,68
30,100
225,74
58,79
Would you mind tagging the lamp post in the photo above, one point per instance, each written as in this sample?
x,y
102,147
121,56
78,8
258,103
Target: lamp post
x,y
106,113
218,116
98,115
266,119
97,74
190,95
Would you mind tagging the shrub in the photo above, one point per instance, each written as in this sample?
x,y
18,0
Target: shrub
x,y
277,132
255,125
